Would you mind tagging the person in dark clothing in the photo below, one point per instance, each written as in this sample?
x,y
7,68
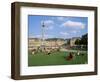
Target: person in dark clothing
x,y
70,57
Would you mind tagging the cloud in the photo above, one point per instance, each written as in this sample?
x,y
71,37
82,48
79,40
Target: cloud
x,y
64,33
37,36
49,28
73,24
48,24
60,18
75,31
48,36
40,36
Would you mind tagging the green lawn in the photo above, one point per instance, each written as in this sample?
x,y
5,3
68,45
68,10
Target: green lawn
x,y
56,58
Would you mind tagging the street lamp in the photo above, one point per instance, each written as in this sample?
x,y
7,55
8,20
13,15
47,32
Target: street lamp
x,y
43,35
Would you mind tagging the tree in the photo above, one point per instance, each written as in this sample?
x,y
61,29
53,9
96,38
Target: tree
x,y
84,39
78,42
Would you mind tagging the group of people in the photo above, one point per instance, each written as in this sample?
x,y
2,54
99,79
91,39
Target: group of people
x,y
71,55
46,50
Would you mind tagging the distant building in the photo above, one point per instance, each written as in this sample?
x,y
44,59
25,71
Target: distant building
x,y
33,43
54,43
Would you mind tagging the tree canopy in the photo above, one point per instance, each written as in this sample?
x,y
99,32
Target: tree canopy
x,y
83,40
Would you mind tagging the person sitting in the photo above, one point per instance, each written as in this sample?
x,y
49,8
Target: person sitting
x,y
70,57
78,53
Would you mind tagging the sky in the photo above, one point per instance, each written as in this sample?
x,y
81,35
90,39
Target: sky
x,y
57,26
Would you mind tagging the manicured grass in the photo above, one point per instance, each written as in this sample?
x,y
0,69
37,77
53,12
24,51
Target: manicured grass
x,y
56,58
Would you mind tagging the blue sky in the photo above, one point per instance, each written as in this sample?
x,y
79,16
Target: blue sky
x,y
57,26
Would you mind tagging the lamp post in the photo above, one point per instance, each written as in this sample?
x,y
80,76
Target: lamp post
x,y
43,35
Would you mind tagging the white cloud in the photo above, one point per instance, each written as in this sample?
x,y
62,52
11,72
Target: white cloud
x,y
64,33
37,36
60,18
73,24
52,18
48,24
75,31
49,28
48,36
40,36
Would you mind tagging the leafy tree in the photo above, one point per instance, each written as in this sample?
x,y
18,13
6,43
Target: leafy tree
x,y
78,42
83,40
